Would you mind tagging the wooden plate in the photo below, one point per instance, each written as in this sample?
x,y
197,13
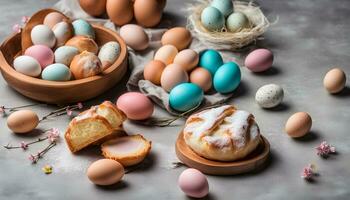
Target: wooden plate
x,y
253,162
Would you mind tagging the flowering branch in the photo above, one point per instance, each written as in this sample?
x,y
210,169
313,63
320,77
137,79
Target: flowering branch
x,y
35,158
17,28
4,109
68,110
309,172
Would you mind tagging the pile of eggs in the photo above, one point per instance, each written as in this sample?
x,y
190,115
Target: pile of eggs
x,y
63,51
187,75
219,14
146,13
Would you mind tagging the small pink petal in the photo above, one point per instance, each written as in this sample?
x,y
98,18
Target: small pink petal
x,y
24,146
80,105
25,19
16,28
69,112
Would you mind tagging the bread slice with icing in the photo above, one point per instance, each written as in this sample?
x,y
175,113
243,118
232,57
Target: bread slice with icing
x,y
222,134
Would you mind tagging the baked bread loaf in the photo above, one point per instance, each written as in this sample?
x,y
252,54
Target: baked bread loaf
x,y
93,126
222,134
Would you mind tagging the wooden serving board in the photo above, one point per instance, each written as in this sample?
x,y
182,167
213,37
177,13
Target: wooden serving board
x,y
252,162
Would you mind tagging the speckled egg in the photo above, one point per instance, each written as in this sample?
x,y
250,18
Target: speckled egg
x,y
63,32
269,96
42,34
166,54
27,65
298,125
334,81
135,105
193,183
185,96
259,60
153,71
134,36
105,172
173,75
53,18
22,121
56,72
187,58
224,6
210,60
108,54
43,54
202,78
65,54
212,19
236,22
227,78
82,27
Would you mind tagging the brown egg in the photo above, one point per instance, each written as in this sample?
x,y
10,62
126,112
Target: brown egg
x,y
180,37
334,81
202,78
93,7
85,65
83,43
173,75
53,18
187,58
105,172
134,36
153,71
22,121
298,125
148,13
120,12
166,54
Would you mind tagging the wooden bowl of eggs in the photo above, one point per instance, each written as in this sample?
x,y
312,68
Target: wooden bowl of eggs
x,y
58,61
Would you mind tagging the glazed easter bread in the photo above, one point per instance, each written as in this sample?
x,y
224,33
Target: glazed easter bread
x,y
94,126
222,134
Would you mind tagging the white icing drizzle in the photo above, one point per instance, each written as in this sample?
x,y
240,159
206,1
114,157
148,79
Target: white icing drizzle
x,y
218,141
89,64
86,115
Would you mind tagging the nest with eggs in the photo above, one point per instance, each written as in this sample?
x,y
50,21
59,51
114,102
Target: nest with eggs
x,y
225,40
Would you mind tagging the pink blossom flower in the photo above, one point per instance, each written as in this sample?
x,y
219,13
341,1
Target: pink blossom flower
x,y
24,19
69,111
324,149
16,28
24,146
32,158
308,172
80,105
53,135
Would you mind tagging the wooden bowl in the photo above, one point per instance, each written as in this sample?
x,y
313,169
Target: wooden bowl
x,y
62,92
253,162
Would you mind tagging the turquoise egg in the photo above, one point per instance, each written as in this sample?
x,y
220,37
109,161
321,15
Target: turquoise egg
x,y
185,96
56,72
82,27
212,19
227,78
237,21
210,60
224,6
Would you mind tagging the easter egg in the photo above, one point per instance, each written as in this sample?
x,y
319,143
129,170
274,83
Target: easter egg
x,y
105,172
82,27
56,72
166,54
210,60
224,6
134,36
298,125
42,34
236,22
120,12
53,18
63,32
135,105
334,81
259,60
93,7
65,54
153,71
202,78
27,65
180,37
187,58
43,54
193,183
22,121
212,19
108,54
269,96
185,96
147,13
227,78
173,75
85,65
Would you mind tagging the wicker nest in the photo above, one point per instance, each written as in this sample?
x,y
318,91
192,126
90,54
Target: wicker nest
x,y
228,40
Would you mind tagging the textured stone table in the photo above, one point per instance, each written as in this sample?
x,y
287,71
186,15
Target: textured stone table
x,y
309,38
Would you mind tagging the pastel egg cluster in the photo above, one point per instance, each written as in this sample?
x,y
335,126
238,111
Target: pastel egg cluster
x,y
64,51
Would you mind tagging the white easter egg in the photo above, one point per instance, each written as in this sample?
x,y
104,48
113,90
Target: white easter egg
x,y
269,96
65,54
42,34
109,53
27,65
63,32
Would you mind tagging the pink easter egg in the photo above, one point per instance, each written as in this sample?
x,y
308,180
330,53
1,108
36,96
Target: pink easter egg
x,y
135,105
43,54
193,183
259,60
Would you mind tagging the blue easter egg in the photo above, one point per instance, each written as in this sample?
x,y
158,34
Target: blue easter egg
x,y
224,6
212,19
227,78
210,60
82,27
56,72
185,96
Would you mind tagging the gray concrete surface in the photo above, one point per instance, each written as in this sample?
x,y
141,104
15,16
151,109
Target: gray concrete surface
x,y
309,38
